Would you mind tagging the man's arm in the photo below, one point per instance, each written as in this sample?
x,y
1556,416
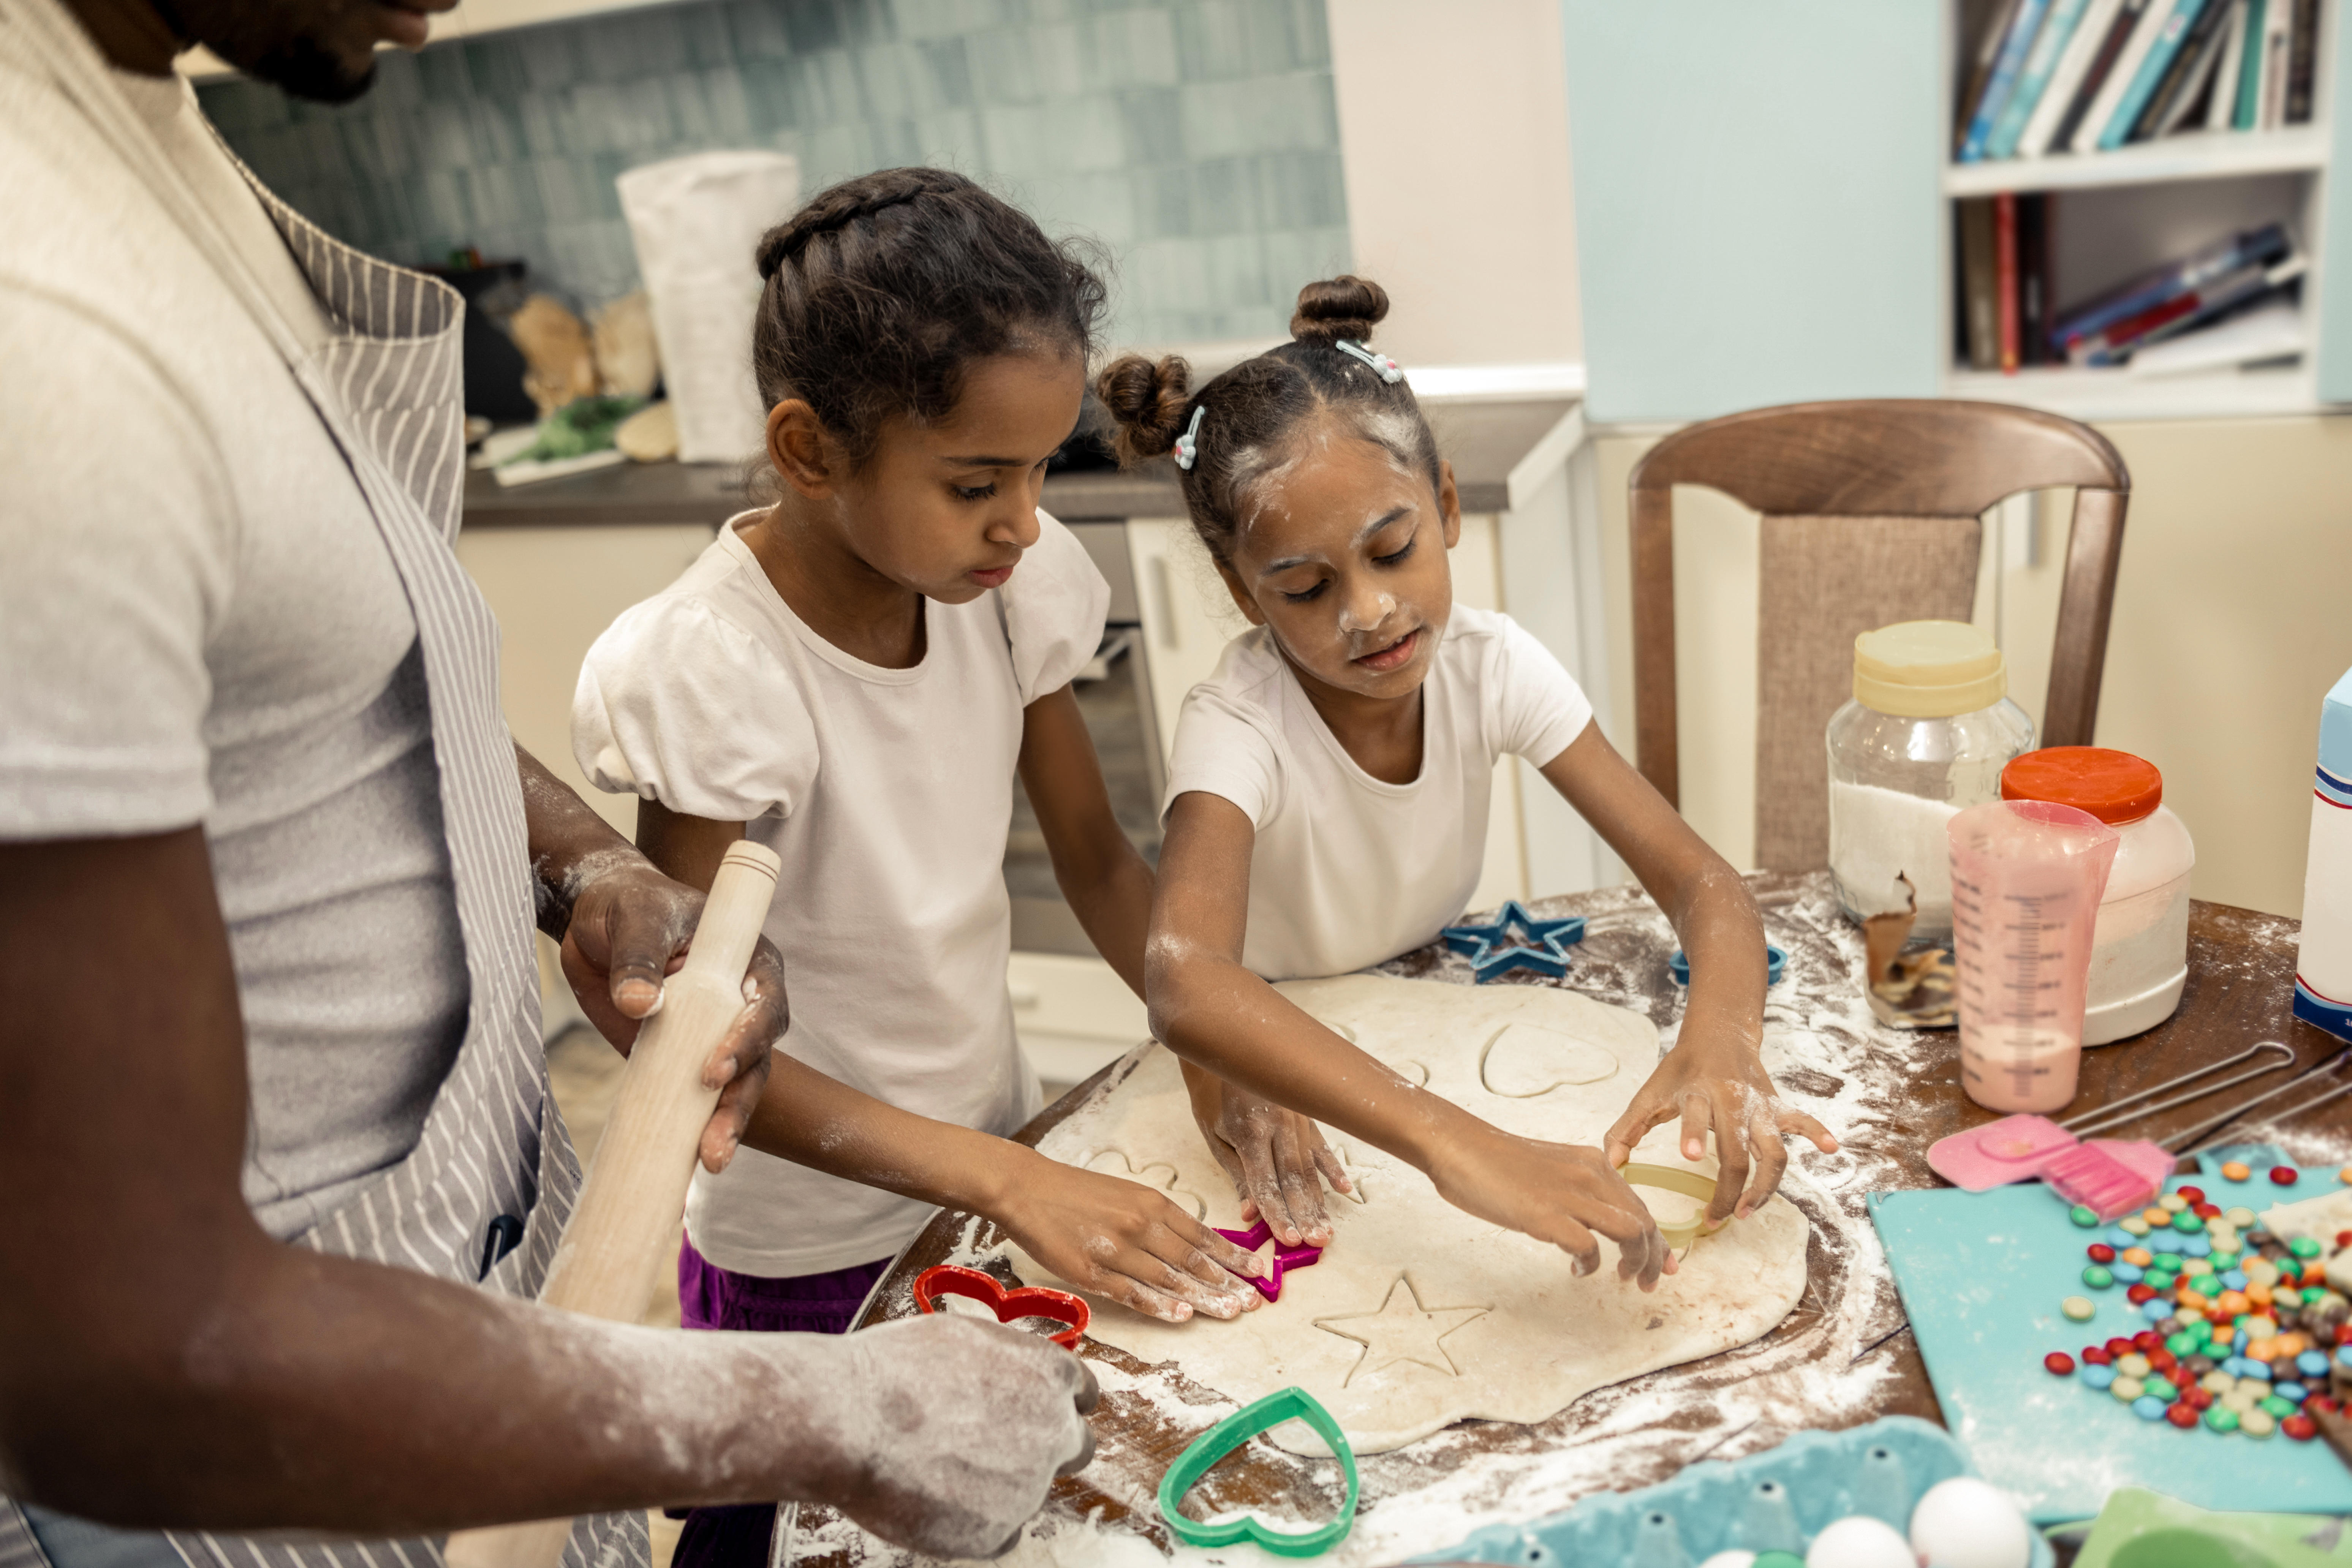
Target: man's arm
x,y
163,1362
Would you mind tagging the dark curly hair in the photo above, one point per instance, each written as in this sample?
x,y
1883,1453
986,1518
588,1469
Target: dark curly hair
x,y
882,291
1253,408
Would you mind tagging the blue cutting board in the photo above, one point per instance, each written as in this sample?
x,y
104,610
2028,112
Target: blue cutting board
x,y
1982,1275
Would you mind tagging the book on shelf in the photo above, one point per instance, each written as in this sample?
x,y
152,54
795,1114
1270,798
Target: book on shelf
x,y
2185,312
2201,270
2265,333
2093,88
2003,294
2004,274
2047,76
2008,66
2033,277
2082,47
2184,81
2040,63
1979,290
2155,67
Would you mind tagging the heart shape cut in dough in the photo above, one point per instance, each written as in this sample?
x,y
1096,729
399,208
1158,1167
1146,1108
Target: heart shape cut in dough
x,y
1522,1060
1009,1306
1152,1174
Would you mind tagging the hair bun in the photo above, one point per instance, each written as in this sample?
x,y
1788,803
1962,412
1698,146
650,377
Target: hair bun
x,y
1147,403
1345,307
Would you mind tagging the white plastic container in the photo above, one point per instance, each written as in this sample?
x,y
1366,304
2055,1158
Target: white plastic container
x,y
2322,970
1927,735
2139,954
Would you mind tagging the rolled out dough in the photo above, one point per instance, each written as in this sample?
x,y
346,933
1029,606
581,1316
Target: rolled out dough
x,y
1418,1315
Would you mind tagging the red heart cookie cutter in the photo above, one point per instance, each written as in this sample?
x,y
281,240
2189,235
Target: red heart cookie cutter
x,y
1024,1301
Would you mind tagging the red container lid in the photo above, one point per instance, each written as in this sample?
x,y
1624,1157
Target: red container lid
x,y
2114,785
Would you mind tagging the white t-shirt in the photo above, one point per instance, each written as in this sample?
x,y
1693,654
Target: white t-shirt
x,y
1347,870
887,794
200,623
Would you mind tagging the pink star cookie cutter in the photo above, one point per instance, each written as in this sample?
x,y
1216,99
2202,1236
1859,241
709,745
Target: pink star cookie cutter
x,y
1285,1258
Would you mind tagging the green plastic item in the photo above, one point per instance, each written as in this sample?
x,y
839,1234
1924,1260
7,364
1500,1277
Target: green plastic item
x,y
2141,1529
1282,1404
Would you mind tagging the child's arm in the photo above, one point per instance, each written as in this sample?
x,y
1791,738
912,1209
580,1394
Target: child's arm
x,y
1272,1155
1712,1078
1209,1007
1114,1237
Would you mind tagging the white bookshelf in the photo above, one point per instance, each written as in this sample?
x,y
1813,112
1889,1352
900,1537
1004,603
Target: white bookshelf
x,y
2122,212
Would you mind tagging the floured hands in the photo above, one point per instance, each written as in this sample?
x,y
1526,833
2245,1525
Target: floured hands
x,y
631,926
1124,1240
1559,1193
1278,1158
952,1431
1720,1085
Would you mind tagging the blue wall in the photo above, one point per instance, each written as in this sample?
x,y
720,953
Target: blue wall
x,y
1197,138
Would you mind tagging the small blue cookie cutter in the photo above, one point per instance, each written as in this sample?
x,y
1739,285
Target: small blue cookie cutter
x,y
1679,967
1491,951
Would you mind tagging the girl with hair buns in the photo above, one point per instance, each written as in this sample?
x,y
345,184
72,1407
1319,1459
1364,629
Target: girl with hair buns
x,y
853,675
1328,788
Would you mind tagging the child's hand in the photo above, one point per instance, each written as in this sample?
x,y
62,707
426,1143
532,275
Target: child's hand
x,y
1274,1156
1722,1088
1122,1239
1559,1193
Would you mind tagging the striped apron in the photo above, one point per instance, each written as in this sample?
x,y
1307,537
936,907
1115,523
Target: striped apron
x,y
484,1195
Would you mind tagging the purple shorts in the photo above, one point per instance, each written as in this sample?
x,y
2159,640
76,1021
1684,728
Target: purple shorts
x,y
711,1297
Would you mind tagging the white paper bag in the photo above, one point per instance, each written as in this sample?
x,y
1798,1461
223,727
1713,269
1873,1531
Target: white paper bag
x,y
696,221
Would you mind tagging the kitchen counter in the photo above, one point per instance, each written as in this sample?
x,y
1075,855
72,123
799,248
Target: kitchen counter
x,y
1484,441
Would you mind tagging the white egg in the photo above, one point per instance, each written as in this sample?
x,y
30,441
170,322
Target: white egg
x,y
1968,1523
1730,1559
1859,1540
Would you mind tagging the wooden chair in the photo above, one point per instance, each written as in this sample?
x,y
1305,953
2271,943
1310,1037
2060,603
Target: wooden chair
x,y
1871,515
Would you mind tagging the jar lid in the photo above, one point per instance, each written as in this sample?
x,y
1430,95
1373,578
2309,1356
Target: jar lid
x,y
2114,785
1929,669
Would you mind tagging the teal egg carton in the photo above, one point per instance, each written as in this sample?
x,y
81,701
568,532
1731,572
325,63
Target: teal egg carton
x,y
1774,1501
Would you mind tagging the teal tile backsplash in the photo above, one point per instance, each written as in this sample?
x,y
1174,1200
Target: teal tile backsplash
x,y
1197,139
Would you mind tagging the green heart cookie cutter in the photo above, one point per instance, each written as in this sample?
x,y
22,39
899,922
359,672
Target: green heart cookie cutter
x,y
1283,1405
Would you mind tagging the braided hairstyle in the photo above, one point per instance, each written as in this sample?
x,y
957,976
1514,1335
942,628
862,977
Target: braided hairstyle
x,y
879,294
1254,408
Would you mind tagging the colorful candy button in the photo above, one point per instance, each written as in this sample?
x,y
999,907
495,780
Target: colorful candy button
x,y
2134,1225
2285,1175
2236,1170
2303,1247
2301,1429
2097,1356
2186,1222
2174,1202
2099,1378
2078,1308
2222,1418
2191,1194
2278,1409
2142,1292
2156,1213
2127,1388
2257,1423
2166,1241
2100,1252
2311,1363
2132,1364
2129,1273
2149,1407
2162,1388
2217,1382
2097,1278
2084,1217
2182,1415
2058,1364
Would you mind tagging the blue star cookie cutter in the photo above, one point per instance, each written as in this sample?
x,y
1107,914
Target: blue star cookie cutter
x,y
1776,965
1492,952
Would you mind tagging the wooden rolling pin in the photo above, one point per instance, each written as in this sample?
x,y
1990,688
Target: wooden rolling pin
x,y
625,1227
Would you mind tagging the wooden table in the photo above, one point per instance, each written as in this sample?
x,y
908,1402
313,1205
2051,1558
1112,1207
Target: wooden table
x,y
1844,1356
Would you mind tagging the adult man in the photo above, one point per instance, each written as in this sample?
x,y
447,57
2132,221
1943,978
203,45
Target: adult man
x,y
270,1103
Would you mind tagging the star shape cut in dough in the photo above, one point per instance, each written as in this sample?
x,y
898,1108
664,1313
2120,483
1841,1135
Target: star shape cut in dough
x,y
1402,1329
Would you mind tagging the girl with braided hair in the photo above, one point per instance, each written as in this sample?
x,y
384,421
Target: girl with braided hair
x,y
853,675
1328,788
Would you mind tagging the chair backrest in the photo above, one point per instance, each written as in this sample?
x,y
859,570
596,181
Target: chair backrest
x,y
1871,514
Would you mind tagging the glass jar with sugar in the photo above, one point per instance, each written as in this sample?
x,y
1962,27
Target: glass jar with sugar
x,y
1929,731
2139,954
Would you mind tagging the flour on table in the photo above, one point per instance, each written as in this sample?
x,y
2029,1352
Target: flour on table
x,y
1419,1315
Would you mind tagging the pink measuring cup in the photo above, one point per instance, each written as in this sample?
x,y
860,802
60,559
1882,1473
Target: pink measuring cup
x,y
2027,877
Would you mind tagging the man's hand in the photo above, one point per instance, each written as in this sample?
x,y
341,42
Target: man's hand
x,y
1720,1085
631,927
1274,1156
955,1429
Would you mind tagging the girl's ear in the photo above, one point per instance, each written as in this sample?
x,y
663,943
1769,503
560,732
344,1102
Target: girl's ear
x,y
1449,503
805,454
1248,606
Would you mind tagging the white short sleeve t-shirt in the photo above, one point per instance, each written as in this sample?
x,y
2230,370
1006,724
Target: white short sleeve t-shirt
x,y
887,794
201,624
1347,870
